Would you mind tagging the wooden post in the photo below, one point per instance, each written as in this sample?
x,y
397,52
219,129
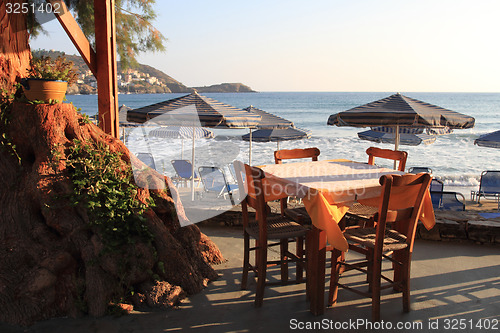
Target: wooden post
x,y
75,33
107,87
102,62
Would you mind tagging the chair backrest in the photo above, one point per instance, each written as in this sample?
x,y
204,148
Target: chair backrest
x,y
240,175
287,154
256,198
490,182
416,170
148,159
213,179
436,185
395,155
436,190
183,169
401,202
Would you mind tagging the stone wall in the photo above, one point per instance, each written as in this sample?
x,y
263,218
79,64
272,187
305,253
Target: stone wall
x,y
467,225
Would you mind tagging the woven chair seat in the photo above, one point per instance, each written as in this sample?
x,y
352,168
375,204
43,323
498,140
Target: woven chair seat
x,y
362,210
298,214
278,228
393,240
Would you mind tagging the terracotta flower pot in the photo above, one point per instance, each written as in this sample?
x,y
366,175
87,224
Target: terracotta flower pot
x,y
45,90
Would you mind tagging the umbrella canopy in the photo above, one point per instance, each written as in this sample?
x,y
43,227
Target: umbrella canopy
x,y
491,140
181,132
269,124
404,138
210,113
272,128
400,111
122,117
269,120
409,136
278,134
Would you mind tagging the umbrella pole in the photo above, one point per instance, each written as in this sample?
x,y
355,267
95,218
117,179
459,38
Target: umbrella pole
x,y
182,148
396,144
278,145
250,149
192,170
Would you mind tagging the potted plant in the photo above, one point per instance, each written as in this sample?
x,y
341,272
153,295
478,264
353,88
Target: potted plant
x,y
48,79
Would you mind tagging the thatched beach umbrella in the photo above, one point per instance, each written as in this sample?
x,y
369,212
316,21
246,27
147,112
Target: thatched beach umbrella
x,y
271,126
277,135
210,113
491,140
194,110
400,111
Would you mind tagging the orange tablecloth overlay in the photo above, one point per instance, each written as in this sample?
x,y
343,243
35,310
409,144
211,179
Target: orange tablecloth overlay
x,y
329,188
322,213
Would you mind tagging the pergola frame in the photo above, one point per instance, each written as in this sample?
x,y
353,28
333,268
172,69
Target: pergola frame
x,y
102,61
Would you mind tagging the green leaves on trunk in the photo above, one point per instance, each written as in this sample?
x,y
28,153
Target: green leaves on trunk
x,y
103,185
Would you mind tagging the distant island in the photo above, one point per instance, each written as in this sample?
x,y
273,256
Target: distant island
x,y
142,79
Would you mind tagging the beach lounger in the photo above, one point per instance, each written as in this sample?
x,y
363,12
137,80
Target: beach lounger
x,y
148,159
436,187
445,200
416,170
183,170
489,186
214,180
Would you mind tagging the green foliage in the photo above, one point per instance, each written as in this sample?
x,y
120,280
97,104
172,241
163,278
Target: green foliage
x,y
104,187
134,31
46,68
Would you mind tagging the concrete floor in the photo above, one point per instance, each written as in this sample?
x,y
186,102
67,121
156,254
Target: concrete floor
x,y
454,285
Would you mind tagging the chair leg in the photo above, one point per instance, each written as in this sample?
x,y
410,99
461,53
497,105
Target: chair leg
x,y
369,268
406,281
375,287
261,273
300,254
399,270
284,260
336,260
308,265
246,260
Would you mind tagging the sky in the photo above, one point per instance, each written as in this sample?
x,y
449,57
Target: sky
x,y
325,45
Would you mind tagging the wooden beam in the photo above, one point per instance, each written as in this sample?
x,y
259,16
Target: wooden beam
x,y
107,86
75,33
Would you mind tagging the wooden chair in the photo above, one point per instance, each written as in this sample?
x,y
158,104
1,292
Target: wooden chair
x,y
298,214
264,229
287,154
359,212
391,232
395,155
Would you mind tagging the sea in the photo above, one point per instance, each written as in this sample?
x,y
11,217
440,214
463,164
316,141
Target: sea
x,y
453,158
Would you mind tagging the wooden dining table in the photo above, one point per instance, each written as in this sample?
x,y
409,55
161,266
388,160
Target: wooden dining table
x,y
328,189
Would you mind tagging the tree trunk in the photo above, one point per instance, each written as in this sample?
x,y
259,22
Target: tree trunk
x,y
15,52
51,260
